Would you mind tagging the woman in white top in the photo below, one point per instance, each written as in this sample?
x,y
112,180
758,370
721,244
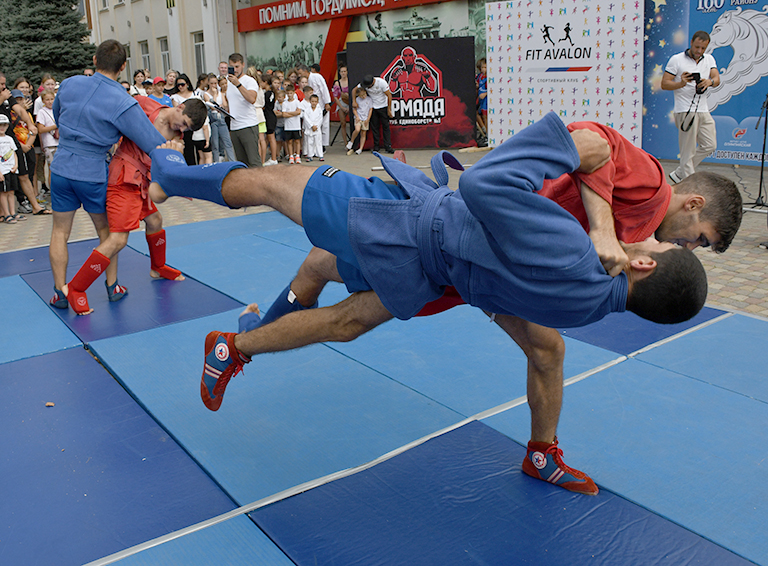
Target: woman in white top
x,y
137,88
184,86
221,143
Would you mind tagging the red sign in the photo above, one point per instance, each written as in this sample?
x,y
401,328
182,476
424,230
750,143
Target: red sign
x,y
292,12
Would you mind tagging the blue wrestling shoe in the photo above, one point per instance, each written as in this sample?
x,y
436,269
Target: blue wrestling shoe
x,y
222,363
115,292
545,462
59,300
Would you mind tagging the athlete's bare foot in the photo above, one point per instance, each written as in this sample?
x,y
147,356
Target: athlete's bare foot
x,y
65,290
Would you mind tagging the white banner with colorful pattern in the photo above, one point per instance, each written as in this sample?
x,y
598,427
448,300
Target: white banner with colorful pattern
x,y
580,59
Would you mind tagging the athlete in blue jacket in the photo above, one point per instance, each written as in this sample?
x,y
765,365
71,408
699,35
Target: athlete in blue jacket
x,y
92,113
506,249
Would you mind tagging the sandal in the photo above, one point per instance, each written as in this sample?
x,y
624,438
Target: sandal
x,y
10,220
42,211
19,217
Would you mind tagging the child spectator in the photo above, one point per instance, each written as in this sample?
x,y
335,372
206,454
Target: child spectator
x,y
49,131
280,126
156,92
481,79
313,122
292,114
269,113
305,106
362,120
8,172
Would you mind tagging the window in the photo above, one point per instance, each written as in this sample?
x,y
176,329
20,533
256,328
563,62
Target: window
x,y
105,4
165,55
128,66
144,47
197,38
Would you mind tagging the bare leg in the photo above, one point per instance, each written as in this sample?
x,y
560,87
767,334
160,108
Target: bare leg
x,y
30,193
545,350
315,272
342,322
57,252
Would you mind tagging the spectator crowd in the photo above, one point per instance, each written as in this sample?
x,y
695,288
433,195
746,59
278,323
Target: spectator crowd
x,y
258,117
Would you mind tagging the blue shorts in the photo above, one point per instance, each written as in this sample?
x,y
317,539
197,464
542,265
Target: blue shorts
x,y
67,195
324,212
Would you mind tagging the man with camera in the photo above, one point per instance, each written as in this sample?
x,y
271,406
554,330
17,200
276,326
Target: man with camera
x,y
689,74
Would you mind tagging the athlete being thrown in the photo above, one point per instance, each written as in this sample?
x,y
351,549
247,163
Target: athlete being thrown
x,y
128,204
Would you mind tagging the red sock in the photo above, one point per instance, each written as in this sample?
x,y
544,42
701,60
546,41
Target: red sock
x,y
94,266
156,243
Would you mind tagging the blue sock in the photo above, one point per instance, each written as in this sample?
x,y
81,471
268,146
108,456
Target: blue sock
x,y
248,322
177,179
286,302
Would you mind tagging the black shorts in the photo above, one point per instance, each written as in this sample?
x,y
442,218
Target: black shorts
x,y
10,183
26,161
200,146
292,135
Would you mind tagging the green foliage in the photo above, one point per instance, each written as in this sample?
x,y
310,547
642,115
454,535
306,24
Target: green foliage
x,y
42,36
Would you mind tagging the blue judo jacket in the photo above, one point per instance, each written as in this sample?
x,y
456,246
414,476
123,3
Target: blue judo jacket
x,y
505,248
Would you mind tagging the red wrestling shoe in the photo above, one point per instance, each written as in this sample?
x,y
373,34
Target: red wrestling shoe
x,y
545,462
222,363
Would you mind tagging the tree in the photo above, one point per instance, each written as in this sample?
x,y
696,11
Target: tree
x,y
43,36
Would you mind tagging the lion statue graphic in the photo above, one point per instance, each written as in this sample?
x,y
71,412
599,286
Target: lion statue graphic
x,y
746,32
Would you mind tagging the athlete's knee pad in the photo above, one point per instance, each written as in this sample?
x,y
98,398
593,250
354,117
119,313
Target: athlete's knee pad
x,y
176,178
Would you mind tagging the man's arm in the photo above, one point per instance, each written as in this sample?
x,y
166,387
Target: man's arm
x,y
134,124
249,95
389,102
602,231
22,113
669,82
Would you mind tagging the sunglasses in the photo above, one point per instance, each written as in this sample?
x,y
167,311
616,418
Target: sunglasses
x,y
181,84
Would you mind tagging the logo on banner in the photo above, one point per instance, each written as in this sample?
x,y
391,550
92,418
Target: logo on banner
x,y
416,85
738,132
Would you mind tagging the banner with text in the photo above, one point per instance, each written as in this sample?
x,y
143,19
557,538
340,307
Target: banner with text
x,y
433,92
583,61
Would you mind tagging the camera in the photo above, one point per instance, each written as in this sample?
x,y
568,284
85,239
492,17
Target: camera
x,y
697,80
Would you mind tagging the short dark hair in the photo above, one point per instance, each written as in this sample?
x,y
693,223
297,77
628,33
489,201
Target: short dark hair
x,y
138,72
314,96
701,34
367,81
236,58
724,208
289,88
308,89
197,112
315,68
110,56
674,292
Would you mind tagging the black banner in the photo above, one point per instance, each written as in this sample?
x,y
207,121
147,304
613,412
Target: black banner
x,y
433,87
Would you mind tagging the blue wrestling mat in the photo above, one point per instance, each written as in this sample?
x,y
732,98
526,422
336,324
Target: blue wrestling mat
x,y
461,498
92,474
402,447
149,303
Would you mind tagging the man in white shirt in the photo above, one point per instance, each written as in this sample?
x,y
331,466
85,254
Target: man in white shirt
x,y
381,96
689,74
244,126
320,88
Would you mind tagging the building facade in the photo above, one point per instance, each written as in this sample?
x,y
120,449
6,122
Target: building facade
x,y
190,36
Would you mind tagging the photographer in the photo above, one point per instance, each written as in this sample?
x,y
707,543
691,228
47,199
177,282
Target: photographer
x,y
689,74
